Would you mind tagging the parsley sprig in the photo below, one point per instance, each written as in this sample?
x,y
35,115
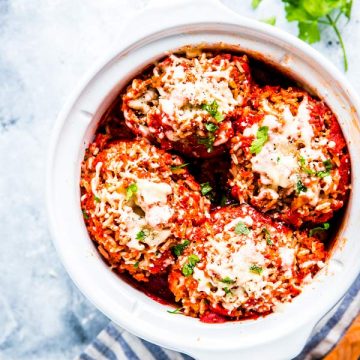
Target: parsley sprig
x,y
227,280
256,269
176,311
206,188
321,174
241,229
188,268
208,142
313,15
213,110
131,191
319,229
261,138
178,167
178,249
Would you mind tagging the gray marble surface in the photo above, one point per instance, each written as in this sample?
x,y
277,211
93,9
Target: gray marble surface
x,y
45,48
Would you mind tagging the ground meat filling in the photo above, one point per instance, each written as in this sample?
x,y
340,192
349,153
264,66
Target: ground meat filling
x,y
289,157
138,202
242,264
185,103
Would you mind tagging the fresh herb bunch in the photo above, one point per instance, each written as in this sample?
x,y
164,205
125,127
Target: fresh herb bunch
x,y
313,15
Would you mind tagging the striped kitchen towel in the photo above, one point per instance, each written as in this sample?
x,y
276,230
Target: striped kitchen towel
x,y
114,343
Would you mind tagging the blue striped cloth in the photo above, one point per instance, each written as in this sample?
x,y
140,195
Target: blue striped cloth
x,y
114,343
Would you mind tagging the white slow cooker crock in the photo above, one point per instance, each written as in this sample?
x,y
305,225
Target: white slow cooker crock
x,y
164,26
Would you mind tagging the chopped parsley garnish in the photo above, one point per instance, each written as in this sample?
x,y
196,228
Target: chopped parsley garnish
x,y
213,110
86,216
328,167
227,280
256,269
141,235
223,200
176,311
300,187
188,269
205,188
227,290
130,191
178,167
178,249
261,138
208,142
267,236
97,199
323,227
320,174
211,127
304,168
241,229
136,265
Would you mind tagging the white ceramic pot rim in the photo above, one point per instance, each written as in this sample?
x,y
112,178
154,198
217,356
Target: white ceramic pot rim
x,y
145,325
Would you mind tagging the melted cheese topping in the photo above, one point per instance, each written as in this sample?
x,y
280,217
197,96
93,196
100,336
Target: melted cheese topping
x,y
291,154
142,219
278,162
241,260
183,86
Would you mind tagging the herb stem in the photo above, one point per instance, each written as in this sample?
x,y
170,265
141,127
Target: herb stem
x,y
333,24
337,17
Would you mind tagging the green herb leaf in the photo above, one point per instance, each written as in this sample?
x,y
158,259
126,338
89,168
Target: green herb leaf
x,y
205,188
136,265
300,187
131,190
212,109
309,31
193,259
97,199
303,167
85,215
178,249
176,311
323,227
227,290
211,127
261,138
241,229
255,4
267,236
256,269
178,167
223,201
141,235
328,168
346,9
208,142
227,280
188,269
271,20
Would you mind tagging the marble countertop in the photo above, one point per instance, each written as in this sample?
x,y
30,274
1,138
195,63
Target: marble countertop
x,y
45,48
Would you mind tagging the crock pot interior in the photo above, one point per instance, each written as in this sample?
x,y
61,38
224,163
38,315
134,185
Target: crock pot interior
x,y
126,305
